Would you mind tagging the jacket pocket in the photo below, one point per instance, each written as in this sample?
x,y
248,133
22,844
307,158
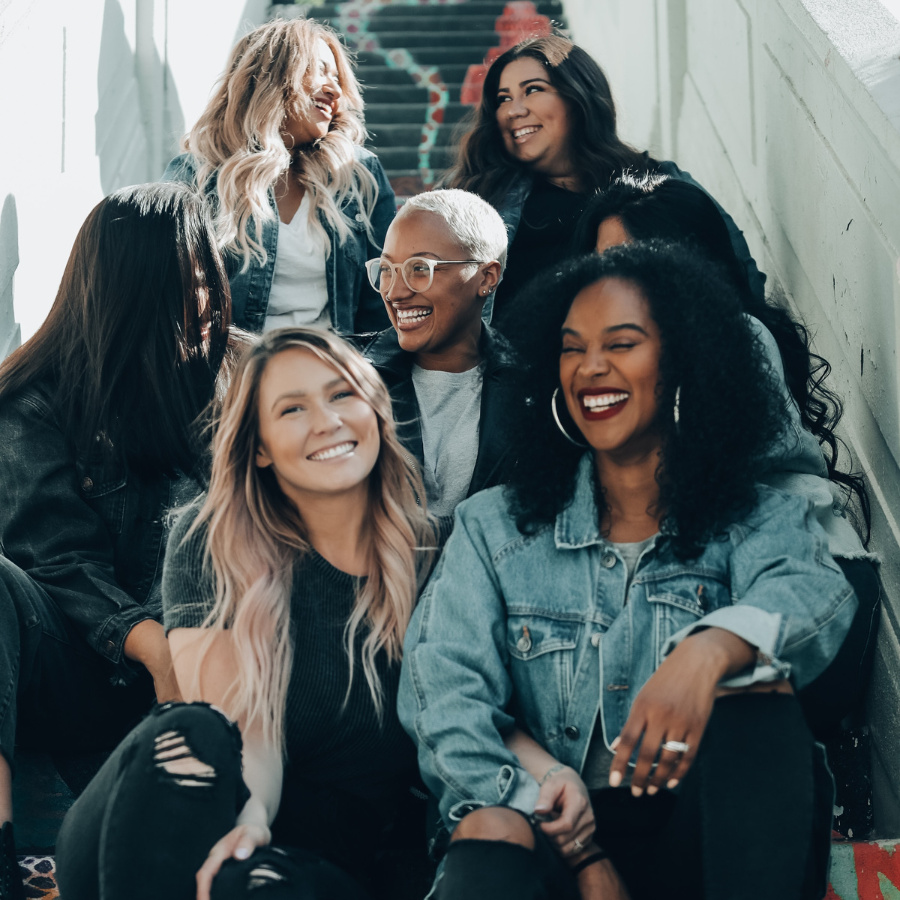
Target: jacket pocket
x,y
542,665
679,602
103,488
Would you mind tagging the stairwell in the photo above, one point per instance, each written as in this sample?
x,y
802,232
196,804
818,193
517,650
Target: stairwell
x,y
420,64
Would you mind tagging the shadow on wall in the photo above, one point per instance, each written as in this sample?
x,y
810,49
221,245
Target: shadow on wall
x,y
139,115
10,333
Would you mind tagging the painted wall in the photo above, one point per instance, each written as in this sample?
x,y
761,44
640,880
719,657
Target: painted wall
x,y
95,96
788,111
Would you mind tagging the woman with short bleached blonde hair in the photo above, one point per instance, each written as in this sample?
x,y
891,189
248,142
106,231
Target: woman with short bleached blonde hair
x,y
299,204
286,596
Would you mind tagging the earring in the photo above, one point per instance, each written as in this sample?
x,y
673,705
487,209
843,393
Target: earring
x,y
559,424
676,409
293,142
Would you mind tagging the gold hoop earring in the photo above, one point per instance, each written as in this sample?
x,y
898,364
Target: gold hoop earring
x,y
560,426
293,142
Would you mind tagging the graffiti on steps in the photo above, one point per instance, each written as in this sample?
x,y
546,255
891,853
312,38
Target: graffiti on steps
x,y
519,21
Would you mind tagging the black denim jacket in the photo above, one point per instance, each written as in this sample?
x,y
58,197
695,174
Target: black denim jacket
x,y
88,530
495,451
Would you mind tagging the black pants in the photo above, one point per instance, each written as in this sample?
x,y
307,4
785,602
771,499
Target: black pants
x,y
140,832
751,819
55,690
840,690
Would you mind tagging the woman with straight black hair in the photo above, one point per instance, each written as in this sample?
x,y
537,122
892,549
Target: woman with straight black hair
x,y
658,207
541,141
634,596
102,414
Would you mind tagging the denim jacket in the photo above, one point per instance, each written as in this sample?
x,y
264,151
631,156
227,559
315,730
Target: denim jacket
x,y
511,207
544,617
352,303
88,530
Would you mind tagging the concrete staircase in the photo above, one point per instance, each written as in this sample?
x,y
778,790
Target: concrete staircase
x,y
414,60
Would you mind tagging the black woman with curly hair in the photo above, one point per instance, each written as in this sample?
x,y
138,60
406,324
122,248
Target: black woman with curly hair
x,y
601,673
658,207
541,141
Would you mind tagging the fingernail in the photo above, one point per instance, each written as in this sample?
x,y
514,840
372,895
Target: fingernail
x,y
636,791
672,783
615,743
651,790
615,779
541,808
241,853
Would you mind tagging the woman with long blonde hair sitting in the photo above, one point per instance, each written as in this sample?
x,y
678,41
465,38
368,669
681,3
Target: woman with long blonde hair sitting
x,y
287,590
300,204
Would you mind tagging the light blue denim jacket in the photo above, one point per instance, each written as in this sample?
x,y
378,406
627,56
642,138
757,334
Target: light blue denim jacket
x,y
353,305
544,618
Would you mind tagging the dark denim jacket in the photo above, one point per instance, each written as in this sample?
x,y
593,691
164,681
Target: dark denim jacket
x,y
494,447
89,531
352,304
511,212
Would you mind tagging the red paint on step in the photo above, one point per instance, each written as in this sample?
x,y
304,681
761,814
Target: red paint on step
x,y
872,859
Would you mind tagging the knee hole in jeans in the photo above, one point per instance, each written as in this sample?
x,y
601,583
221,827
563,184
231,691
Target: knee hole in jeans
x,y
174,757
264,875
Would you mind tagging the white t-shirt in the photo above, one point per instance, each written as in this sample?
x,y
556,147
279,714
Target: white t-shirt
x,y
450,407
299,294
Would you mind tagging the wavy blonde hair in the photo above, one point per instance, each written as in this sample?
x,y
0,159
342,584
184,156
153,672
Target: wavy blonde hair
x,y
255,535
238,146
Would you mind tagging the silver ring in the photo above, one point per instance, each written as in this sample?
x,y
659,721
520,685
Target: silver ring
x,y
577,845
676,746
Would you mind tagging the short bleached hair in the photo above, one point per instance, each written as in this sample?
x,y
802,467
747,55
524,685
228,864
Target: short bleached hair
x,y
475,224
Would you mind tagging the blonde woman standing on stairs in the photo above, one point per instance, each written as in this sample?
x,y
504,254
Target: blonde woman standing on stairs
x,y
299,204
286,595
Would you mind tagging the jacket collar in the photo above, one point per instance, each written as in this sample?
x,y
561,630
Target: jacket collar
x,y
578,525
385,353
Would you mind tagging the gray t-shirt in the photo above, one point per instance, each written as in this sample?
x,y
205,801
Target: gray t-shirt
x,y
599,757
450,407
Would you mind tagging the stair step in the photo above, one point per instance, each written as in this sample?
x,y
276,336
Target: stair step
x,y
488,8
396,93
454,72
408,157
410,113
412,28
386,136
438,56
450,37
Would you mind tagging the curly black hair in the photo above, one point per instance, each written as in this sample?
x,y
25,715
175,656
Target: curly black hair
x,y
657,206
730,406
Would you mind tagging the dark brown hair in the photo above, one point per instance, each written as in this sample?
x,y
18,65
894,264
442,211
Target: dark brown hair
x,y
133,343
598,155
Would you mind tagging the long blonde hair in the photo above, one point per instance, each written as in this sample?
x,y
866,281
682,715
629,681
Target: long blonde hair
x,y
237,140
254,536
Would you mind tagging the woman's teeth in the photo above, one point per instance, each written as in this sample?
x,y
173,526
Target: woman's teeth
x,y
412,315
325,107
520,133
601,401
332,452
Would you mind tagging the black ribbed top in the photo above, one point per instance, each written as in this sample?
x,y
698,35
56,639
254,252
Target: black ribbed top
x,y
333,750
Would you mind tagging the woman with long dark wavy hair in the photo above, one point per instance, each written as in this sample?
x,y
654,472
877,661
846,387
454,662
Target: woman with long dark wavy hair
x,y
300,204
601,672
639,209
542,140
102,414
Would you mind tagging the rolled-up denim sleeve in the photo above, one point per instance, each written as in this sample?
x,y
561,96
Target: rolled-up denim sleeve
x,y
455,686
50,531
789,598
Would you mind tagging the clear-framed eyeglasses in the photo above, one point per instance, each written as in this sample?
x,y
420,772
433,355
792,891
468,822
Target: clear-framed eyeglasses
x,y
417,272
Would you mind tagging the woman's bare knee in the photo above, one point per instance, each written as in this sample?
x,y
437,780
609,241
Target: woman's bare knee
x,y
496,823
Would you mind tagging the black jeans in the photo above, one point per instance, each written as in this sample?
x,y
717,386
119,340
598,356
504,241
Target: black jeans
x,y
840,690
751,819
141,832
55,691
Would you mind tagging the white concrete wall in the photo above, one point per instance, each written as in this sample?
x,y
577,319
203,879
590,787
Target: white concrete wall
x,y
788,112
94,95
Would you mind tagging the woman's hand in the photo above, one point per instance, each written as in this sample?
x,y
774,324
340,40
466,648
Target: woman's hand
x,y
675,705
146,643
564,796
239,843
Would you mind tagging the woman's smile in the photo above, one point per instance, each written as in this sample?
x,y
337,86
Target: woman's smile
x,y
602,403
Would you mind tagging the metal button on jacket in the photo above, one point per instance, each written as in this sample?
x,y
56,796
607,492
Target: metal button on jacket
x,y
359,217
572,732
523,645
87,484
595,639
608,560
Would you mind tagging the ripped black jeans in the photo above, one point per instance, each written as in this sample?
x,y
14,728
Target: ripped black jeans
x,y
147,821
